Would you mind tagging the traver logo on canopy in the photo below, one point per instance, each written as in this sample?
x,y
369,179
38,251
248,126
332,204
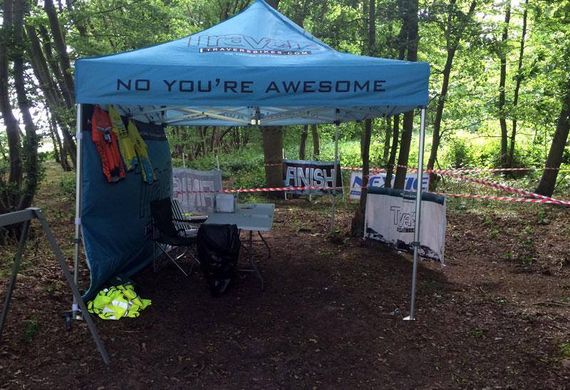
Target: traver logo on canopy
x,y
238,43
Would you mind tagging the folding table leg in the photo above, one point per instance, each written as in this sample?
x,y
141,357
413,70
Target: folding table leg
x,y
254,268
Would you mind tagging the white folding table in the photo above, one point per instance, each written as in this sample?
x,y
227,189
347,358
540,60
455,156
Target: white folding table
x,y
251,217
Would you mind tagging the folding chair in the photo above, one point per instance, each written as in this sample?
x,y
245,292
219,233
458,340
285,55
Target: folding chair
x,y
172,231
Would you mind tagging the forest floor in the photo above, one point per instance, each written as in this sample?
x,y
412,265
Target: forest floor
x,y
496,316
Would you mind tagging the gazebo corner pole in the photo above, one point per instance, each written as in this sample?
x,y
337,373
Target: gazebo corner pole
x,y
335,184
78,178
416,242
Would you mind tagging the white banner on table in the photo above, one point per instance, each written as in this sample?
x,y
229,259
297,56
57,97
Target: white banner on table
x,y
379,180
390,217
195,190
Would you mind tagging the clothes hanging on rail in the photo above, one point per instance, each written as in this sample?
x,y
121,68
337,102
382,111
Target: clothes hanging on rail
x,y
107,146
141,150
125,143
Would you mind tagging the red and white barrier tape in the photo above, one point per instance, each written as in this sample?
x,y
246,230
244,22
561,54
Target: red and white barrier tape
x,y
509,189
460,170
505,199
267,189
536,199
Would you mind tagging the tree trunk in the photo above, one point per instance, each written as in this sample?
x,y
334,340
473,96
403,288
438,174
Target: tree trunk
x,y
519,79
30,147
452,45
53,65
357,228
61,48
387,140
273,156
316,141
273,148
412,55
548,180
10,121
55,101
273,3
502,84
393,151
303,143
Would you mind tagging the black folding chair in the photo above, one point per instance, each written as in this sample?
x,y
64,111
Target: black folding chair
x,y
172,231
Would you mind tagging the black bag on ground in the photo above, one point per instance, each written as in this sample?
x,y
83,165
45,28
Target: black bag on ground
x,y
218,252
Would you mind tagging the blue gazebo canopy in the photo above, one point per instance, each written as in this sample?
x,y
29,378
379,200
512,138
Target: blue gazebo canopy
x,y
257,68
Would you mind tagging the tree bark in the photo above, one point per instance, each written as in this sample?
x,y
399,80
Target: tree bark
x,y
303,142
30,147
55,101
273,148
316,141
453,40
393,152
273,3
502,85
412,55
53,65
387,140
548,179
10,121
61,48
518,82
273,156
357,228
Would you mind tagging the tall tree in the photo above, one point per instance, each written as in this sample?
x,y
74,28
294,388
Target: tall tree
x,y
30,146
272,137
453,29
357,228
316,141
518,81
303,143
61,49
411,16
53,97
503,52
10,121
22,182
548,179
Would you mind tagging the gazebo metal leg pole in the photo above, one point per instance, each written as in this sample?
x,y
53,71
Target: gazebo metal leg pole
x,y
418,215
78,178
76,295
334,178
15,269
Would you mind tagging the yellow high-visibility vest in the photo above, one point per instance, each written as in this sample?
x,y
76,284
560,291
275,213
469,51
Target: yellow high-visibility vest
x,y
117,302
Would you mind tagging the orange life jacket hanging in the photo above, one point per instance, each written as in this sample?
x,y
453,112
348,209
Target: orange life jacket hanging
x,y
107,145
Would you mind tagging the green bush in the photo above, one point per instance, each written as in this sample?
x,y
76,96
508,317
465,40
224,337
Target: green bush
x,y
458,154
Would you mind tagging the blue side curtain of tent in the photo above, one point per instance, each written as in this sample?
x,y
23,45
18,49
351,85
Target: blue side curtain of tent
x,y
115,217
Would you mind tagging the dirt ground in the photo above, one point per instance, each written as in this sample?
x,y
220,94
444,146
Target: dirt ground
x,y
495,317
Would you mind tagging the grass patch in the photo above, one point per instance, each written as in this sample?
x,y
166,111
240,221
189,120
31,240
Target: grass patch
x,y
31,329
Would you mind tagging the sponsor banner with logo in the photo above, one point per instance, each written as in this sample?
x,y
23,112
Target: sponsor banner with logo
x,y
391,217
195,190
302,173
379,180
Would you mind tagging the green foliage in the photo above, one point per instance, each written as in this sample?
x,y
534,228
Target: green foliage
x,y
243,168
459,154
565,350
67,186
31,329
